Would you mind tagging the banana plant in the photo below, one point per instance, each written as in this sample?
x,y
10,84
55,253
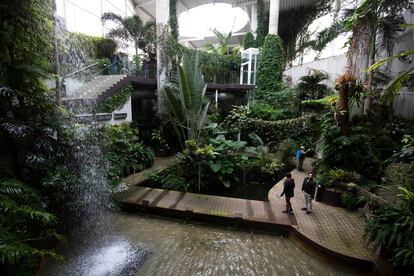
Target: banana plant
x,y
186,100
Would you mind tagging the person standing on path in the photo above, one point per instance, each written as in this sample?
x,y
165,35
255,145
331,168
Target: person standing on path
x,y
288,192
308,189
300,155
114,63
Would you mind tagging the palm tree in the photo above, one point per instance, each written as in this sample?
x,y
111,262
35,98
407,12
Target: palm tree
x,y
223,43
132,29
394,86
310,86
372,21
188,106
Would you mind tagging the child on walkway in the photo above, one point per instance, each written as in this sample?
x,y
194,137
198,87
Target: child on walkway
x,y
288,192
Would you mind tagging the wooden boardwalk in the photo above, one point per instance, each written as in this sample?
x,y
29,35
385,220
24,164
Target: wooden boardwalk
x,y
160,163
333,229
334,232
249,213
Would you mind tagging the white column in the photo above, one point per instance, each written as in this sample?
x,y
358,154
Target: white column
x,y
162,10
253,18
274,16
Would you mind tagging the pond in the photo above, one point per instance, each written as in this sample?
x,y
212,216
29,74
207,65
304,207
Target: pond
x,y
141,245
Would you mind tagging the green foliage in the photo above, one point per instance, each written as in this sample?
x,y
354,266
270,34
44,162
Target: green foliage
x,y
264,111
132,29
188,105
124,153
275,130
342,176
236,120
215,162
392,227
355,152
321,104
173,20
105,48
295,24
30,133
23,219
271,65
351,202
249,41
115,101
310,87
169,180
262,23
223,43
212,65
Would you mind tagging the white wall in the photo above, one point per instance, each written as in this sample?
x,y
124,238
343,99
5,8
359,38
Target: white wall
x,y
334,66
404,104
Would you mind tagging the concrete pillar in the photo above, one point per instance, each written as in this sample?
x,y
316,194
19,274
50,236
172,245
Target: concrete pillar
x,y
253,18
162,10
274,16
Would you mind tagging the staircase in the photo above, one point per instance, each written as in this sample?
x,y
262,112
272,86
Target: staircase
x,y
96,87
82,100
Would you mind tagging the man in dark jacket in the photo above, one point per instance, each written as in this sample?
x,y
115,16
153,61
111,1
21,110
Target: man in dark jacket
x,y
288,192
308,188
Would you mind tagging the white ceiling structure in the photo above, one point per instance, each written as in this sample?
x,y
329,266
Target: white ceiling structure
x,y
146,10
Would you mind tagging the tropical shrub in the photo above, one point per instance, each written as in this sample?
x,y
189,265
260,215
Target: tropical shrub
x,y
355,152
169,180
249,41
33,141
351,201
264,111
105,48
276,130
24,220
215,162
320,104
342,176
124,152
310,87
271,65
236,120
187,103
392,227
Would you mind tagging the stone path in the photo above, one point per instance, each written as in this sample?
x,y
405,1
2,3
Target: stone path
x,y
334,228
160,163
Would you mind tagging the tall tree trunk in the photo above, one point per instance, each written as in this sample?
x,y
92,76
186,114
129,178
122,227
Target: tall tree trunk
x,y
359,50
368,99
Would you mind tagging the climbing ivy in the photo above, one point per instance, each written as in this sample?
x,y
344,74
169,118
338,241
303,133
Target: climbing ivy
x,y
173,20
271,65
248,41
262,23
115,101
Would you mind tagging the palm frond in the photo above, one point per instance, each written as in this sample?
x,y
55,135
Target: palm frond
x,y
110,16
387,34
395,85
18,130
